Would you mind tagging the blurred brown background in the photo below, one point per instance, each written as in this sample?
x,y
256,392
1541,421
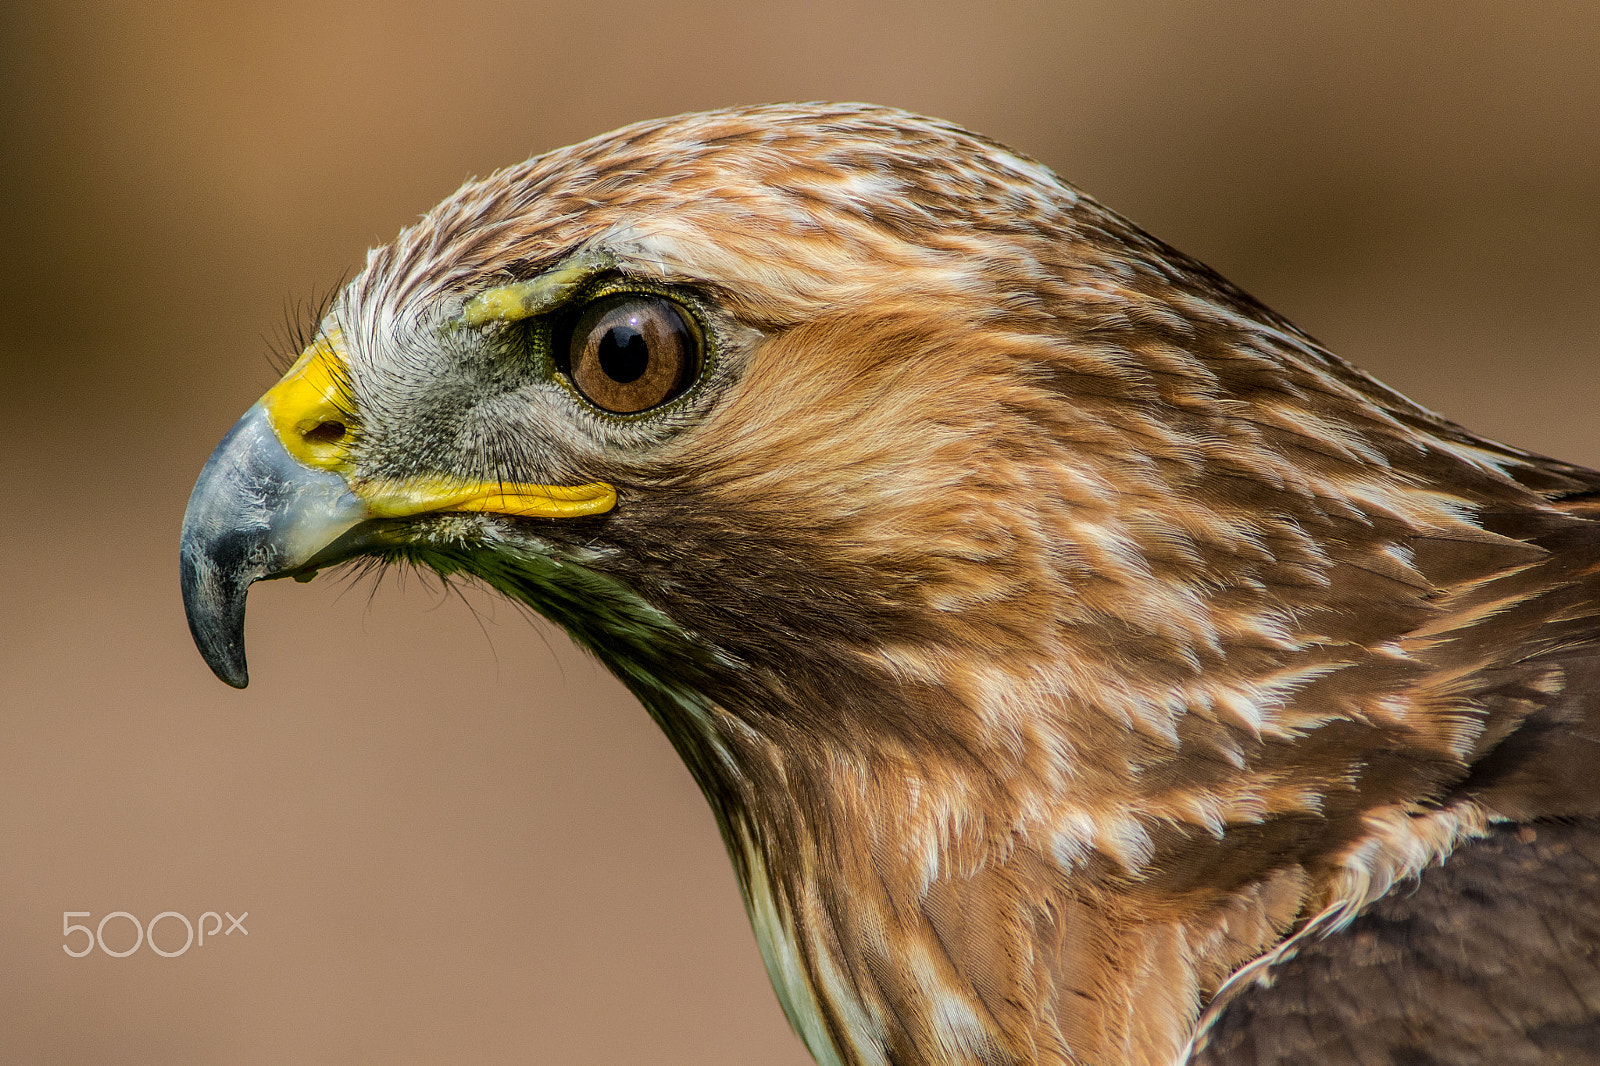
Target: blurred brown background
x,y
457,840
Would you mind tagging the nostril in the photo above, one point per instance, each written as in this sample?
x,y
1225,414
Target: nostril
x,y
325,433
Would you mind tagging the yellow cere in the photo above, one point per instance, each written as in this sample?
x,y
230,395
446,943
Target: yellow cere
x,y
305,409
311,417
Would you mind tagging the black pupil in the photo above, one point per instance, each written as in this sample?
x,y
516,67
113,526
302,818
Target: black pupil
x,y
624,355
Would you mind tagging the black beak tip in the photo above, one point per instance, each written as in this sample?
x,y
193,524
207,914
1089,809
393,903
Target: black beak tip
x,y
214,603
232,671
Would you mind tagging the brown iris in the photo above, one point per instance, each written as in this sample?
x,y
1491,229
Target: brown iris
x,y
632,352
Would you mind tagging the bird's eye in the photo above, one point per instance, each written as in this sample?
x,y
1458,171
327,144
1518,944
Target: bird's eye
x,y
630,352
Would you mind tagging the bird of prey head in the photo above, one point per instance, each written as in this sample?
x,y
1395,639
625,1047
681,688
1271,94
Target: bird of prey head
x,y
1063,640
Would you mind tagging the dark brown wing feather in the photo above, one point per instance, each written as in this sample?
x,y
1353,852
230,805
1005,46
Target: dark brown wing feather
x,y
1492,958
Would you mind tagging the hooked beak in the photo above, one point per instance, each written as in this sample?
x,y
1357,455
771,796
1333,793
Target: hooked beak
x,y
255,513
279,497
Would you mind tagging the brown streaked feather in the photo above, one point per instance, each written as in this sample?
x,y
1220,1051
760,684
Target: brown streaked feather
x,y
1071,630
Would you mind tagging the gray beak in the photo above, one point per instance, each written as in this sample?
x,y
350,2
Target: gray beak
x,y
255,513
